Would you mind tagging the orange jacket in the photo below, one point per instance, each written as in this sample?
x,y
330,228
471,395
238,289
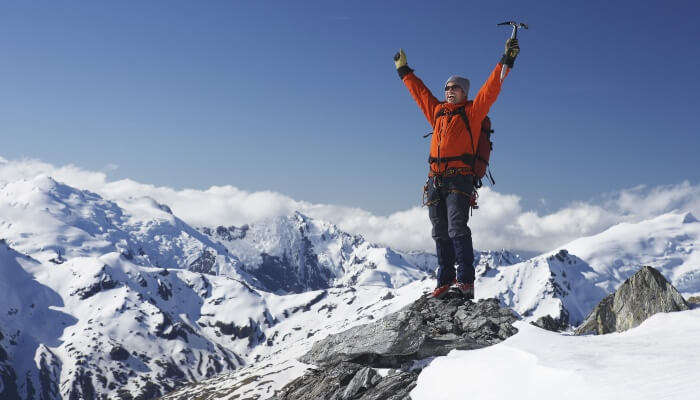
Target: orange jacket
x,y
450,135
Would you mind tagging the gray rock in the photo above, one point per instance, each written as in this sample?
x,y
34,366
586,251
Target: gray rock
x,y
689,218
644,294
363,380
349,381
396,386
551,324
326,383
694,300
118,353
426,328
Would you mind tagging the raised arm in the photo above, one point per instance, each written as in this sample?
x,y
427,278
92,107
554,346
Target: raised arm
x,y
488,93
421,94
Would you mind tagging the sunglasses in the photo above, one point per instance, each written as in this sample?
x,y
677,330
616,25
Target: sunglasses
x,y
453,87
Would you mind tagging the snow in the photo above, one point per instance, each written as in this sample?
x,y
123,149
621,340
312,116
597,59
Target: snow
x,y
657,360
576,276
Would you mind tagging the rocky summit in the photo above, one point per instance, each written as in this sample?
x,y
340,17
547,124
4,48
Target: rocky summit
x,y
426,328
642,295
345,381
403,342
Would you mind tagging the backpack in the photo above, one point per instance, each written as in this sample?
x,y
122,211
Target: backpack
x,y
483,152
480,162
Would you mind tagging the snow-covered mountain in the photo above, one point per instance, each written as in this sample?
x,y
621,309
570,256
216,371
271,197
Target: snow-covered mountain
x,y
53,222
295,254
568,282
123,298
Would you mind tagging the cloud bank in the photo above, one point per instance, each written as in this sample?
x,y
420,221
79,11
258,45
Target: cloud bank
x,y
500,222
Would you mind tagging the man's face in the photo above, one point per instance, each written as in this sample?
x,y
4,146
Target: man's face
x,y
454,94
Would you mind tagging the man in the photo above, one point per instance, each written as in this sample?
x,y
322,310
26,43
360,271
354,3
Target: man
x,y
456,129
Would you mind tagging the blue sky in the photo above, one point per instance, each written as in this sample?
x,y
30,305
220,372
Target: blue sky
x,y
302,97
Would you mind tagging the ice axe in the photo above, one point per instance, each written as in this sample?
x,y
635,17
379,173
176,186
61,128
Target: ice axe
x,y
513,35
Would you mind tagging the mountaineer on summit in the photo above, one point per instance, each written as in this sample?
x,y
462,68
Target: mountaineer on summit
x,y
450,188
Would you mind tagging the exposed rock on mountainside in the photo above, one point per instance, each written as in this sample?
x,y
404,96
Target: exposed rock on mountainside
x,y
350,381
551,324
644,294
424,329
8,375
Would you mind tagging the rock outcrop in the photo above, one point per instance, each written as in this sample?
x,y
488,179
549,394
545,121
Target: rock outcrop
x,y
422,330
644,294
345,381
426,328
551,324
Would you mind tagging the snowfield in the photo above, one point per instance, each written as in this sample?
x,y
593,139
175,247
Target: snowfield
x,y
657,360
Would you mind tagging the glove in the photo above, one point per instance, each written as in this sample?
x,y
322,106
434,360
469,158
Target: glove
x,y
401,66
512,48
400,59
511,52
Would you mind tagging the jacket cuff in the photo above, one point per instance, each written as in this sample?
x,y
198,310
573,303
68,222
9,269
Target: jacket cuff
x,y
403,71
507,61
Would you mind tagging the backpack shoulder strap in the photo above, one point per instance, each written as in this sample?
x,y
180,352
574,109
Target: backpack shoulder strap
x,y
463,114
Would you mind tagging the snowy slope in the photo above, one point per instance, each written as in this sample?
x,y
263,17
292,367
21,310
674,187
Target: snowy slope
x,y
668,243
92,325
570,281
657,360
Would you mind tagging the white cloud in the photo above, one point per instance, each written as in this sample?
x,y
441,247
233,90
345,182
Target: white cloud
x,y
648,201
500,222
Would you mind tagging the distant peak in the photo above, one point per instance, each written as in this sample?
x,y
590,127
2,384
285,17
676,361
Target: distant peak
x,y
44,181
689,218
301,217
161,206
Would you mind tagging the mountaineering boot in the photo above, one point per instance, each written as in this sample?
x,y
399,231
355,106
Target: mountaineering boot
x,y
440,291
466,290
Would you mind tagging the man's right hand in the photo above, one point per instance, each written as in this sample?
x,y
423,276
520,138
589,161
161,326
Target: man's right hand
x,y
400,59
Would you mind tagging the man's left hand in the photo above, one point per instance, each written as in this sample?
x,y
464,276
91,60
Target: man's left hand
x,y
511,52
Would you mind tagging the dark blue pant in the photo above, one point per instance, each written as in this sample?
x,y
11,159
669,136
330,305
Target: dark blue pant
x,y
448,208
